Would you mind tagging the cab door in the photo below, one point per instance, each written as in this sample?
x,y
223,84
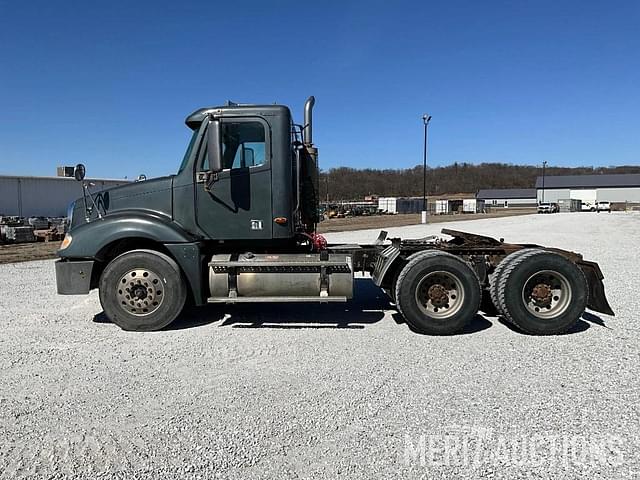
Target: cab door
x,y
238,205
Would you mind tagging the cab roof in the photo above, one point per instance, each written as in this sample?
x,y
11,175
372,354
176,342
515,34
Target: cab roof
x,y
194,120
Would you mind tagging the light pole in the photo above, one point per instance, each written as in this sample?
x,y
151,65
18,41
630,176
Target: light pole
x,y
327,179
426,118
544,165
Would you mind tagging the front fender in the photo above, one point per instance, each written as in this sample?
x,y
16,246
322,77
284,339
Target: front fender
x,y
90,238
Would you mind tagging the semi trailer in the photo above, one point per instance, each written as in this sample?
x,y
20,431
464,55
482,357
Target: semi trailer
x,y
237,224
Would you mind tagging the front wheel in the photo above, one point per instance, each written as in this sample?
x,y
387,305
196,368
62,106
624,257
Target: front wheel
x,y
142,290
437,293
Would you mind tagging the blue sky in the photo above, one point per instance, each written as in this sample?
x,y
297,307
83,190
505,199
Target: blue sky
x,y
110,83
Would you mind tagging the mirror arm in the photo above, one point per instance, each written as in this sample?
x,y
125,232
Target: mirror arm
x,y
85,191
87,213
210,179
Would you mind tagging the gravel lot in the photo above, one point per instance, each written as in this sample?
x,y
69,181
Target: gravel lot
x,y
283,391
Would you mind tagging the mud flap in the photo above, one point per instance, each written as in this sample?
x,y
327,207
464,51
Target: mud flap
x,y
383,263
597,298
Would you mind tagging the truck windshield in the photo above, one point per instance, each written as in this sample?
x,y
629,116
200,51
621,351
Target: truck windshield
x,y
187,154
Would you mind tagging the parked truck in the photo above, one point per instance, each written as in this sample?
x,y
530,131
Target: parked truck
x,y
237,224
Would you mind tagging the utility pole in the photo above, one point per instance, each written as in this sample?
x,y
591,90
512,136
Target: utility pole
x,y
544,165
426,118
327,179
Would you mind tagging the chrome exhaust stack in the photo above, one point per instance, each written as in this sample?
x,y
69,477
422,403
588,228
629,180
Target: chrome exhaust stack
x,y
307,129
306,210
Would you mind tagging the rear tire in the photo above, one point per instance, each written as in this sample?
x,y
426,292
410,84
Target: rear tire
x,y
542,293
497,274
437,293
142,290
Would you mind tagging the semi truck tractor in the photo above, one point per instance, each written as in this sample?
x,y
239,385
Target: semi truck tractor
x,y
237,224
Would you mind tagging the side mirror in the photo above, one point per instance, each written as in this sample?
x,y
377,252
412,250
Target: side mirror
x,y
79,172
248,157
214,146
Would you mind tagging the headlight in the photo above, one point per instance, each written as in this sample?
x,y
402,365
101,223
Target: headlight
x,y
66,242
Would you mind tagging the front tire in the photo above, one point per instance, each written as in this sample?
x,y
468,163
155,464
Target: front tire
x,y
142,290
437,293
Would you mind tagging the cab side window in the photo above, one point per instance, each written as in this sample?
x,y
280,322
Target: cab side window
x,y
243,145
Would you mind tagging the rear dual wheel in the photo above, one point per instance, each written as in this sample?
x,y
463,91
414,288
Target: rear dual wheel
x,y
437,293
493,287
540,292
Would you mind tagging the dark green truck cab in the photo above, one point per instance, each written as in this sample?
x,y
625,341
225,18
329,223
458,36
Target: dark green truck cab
x,y
179,214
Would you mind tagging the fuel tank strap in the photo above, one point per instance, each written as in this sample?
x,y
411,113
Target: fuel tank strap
x,y
344,268
263,263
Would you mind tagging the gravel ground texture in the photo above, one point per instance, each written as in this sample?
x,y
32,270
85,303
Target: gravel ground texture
x,y
325,391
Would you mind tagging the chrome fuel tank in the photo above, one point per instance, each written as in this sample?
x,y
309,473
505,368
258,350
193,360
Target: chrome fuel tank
x,y
285,276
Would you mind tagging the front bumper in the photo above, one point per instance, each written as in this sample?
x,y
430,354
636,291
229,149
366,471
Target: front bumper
x,y
73,277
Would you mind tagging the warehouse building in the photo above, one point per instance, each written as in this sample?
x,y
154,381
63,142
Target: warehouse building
x,y
614,188
43,196
508,197
436,204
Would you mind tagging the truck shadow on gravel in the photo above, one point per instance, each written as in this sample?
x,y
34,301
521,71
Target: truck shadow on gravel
x,y
581,325
369,305
477,324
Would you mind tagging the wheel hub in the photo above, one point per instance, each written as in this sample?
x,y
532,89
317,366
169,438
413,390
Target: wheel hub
x,y
140,292
541,294
438,295
547,294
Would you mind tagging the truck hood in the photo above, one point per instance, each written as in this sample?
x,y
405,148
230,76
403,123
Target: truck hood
x,y
153,196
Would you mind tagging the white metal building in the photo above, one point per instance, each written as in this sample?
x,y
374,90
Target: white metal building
x,y
508,197
472,205
43,196
388,204
590,188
